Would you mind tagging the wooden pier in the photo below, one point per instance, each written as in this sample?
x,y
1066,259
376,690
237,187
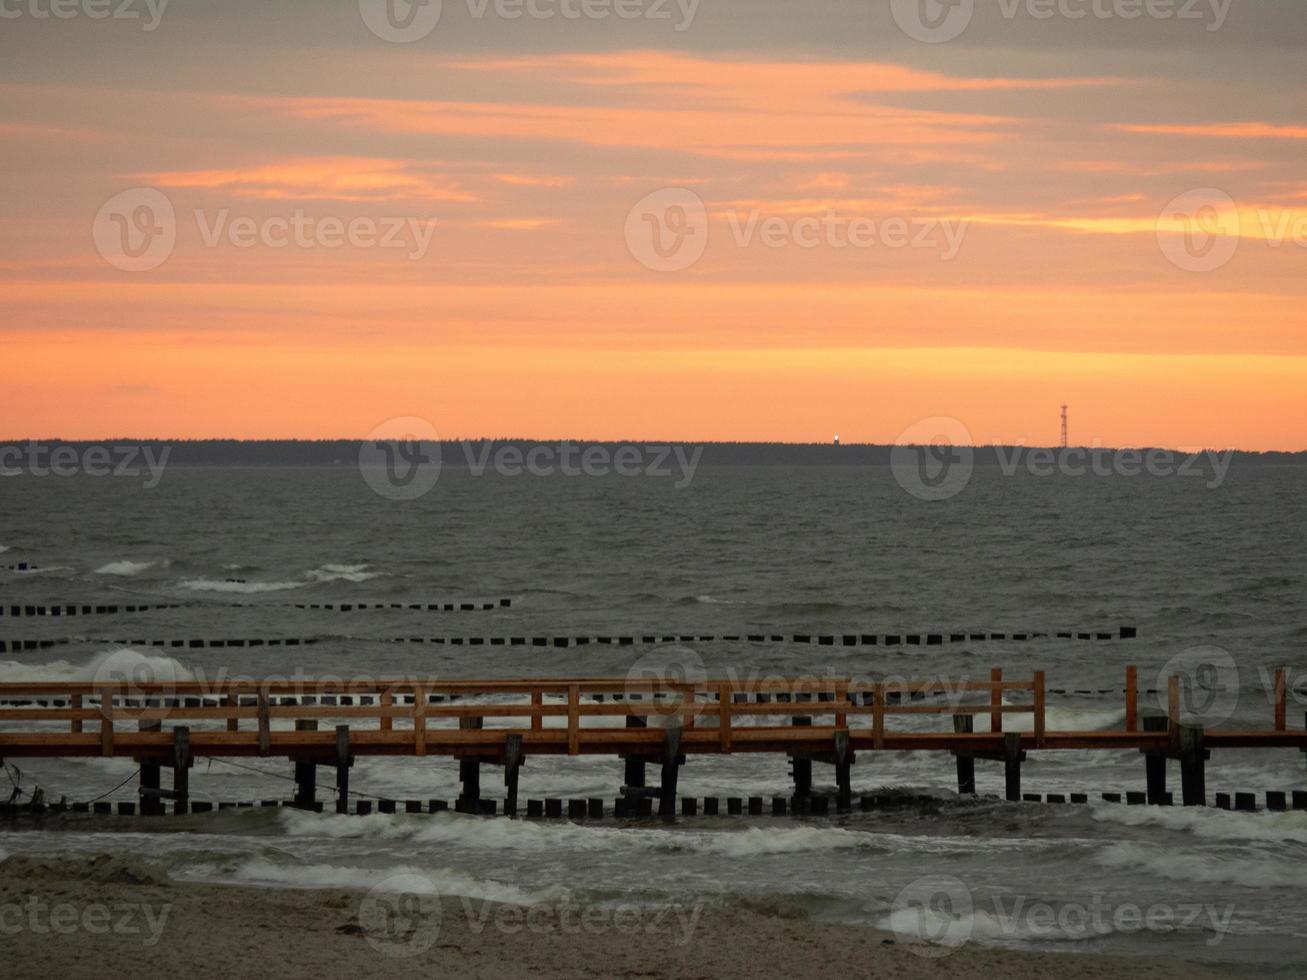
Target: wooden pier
x,y
642,721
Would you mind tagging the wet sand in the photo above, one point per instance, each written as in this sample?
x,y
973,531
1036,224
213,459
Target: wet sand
x,y
110,917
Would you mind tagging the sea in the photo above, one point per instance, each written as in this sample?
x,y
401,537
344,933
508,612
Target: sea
x,y
1212,578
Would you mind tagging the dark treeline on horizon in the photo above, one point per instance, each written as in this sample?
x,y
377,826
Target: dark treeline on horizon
x,y
345,452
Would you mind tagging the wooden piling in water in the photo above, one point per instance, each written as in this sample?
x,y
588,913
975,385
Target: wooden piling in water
x,y
965,725
635,773
1012,759
469,772
843,759
800,767
1193,758
306,770
512,764
343,762
181,770
1155,761
672,760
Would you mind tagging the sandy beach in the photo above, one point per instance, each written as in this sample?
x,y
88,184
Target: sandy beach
x,y
110,917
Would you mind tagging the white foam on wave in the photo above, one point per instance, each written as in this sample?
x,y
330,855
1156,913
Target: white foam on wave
x,y
937,925
120,664
314,576
510,835
243,588
1205,867
1059,720
1211,824
346,573
3,549
125,567
261,871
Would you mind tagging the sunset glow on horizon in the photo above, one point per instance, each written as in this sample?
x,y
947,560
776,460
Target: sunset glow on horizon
x,y
893,230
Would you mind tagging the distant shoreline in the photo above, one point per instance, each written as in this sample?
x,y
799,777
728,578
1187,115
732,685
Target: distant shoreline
x,y
459,452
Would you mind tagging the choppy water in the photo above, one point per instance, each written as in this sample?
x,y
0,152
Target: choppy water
x,y
742,549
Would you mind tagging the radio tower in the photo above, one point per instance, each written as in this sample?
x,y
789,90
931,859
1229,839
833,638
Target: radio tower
x,y
1064,442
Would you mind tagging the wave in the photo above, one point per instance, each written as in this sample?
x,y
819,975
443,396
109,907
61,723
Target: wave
x,y
1212,824
346,573
403,878
242,588
3,549
1243,869
314,576
125,567
1059,720
121,664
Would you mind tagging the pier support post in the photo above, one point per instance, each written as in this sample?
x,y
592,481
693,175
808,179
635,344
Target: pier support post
x,y
306,773
1155,762
965,725
1012,758
842,761
801,769
635,764
181,770
1193,780
343,761
469,773
512,763
671,767
151,802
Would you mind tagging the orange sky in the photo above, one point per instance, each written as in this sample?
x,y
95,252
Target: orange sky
x,y
528,311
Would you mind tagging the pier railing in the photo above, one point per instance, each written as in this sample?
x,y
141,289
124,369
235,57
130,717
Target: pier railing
x,y
638,719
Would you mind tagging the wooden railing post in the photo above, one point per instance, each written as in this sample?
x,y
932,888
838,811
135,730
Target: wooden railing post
x,y
1281,700
232,722
878,714
387,701
573,719
724,715
106,721
419,720
842,699
76,703
1132,698
996,700
1173,700
1039,708
537,719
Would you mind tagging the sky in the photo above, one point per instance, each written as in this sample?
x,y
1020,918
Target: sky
x,y
656,219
